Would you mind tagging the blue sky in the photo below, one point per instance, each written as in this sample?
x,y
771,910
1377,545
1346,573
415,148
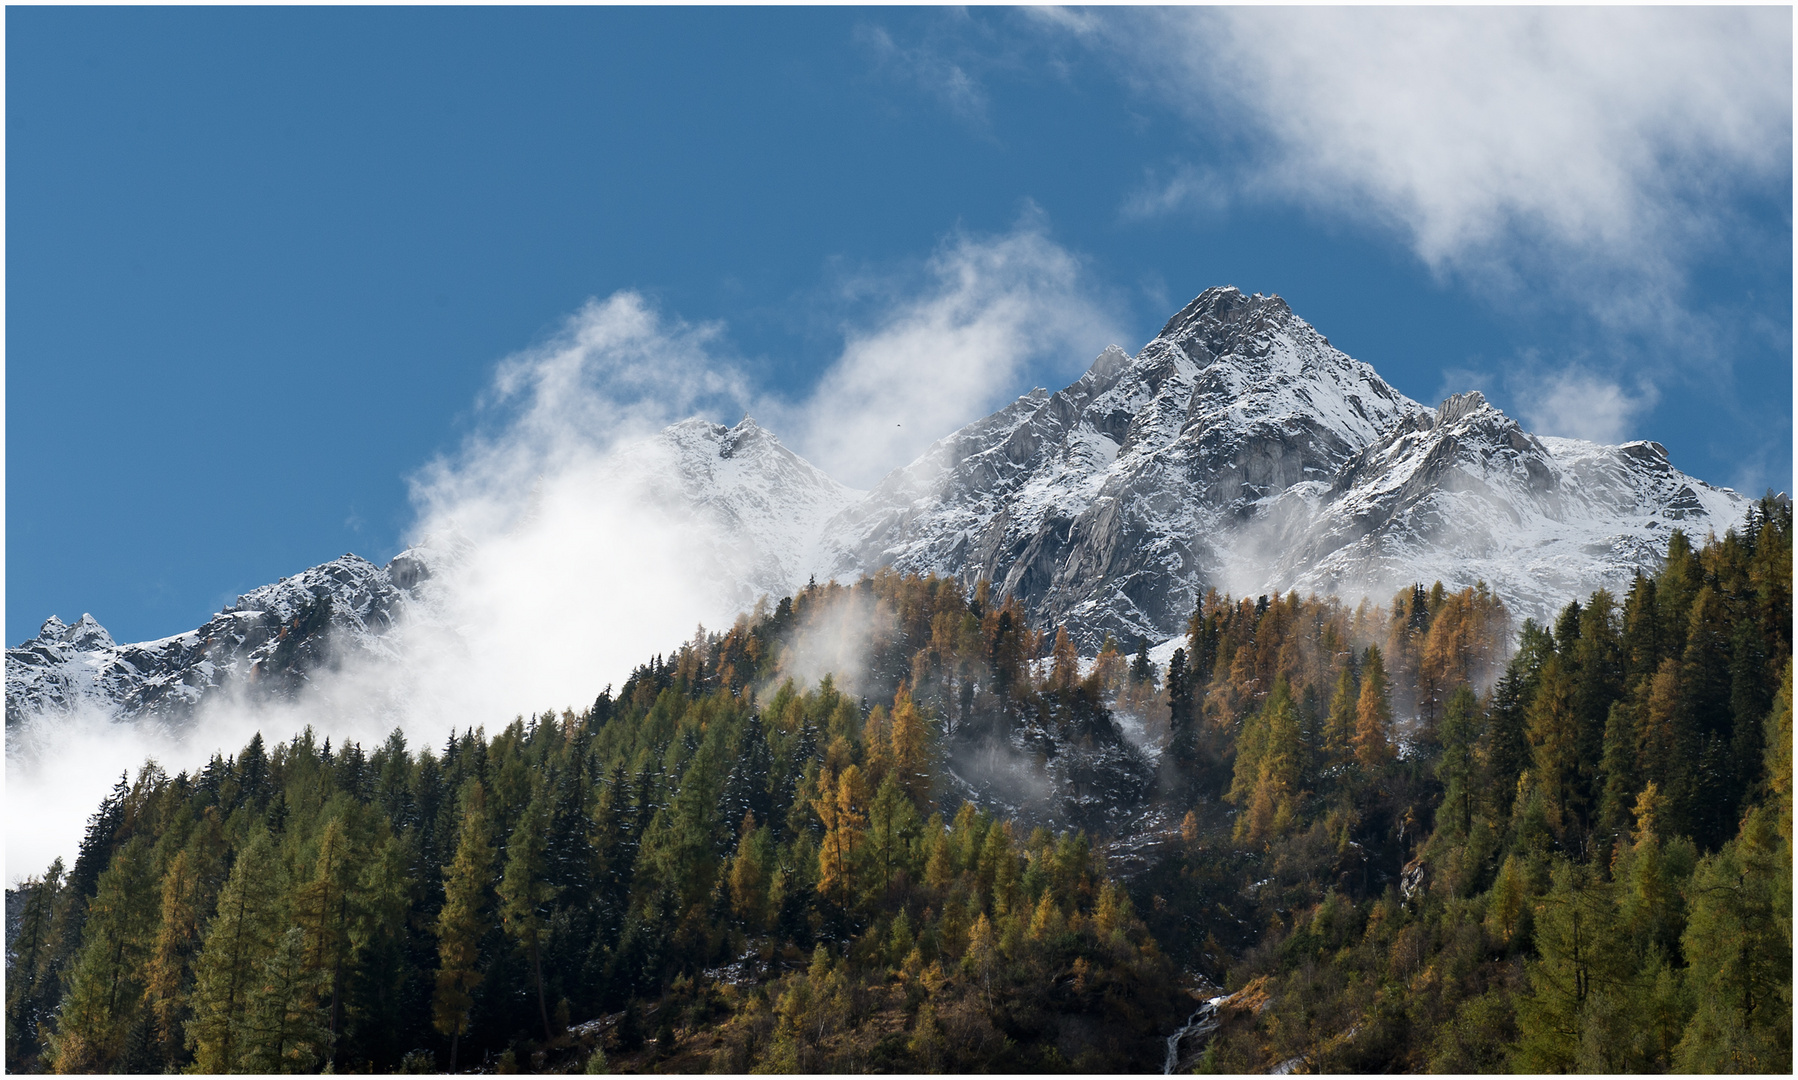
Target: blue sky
x,y
262,263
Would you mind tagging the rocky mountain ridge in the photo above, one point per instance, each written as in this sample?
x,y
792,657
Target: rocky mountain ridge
x,y
1238,450
1109,506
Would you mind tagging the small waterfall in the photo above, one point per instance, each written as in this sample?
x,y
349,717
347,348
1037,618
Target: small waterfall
x,y
1202,1022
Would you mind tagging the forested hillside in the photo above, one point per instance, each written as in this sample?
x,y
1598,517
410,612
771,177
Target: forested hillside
x,y
1597,850
1402,838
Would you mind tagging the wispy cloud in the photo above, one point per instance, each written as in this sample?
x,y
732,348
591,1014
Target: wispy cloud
x,y
1580,161
618,370
929,67
1578,403
1568,398
1184,188
1498,143
947,349
564,555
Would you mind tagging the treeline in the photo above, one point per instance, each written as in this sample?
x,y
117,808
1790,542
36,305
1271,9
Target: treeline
x,y
1405,837
1586,867
677,856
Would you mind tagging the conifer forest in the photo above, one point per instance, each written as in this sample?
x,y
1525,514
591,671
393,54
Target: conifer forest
x,y
1418,836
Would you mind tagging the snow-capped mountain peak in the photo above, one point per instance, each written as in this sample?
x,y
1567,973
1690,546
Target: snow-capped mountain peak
x,y
744,485
1465,495
87,633
1238,450
1100,505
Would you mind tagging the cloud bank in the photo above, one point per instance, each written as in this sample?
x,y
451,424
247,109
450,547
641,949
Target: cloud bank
x,y
988,311
563,557
1501,143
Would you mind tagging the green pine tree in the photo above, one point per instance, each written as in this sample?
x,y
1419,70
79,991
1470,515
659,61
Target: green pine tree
x,y
1738,941
1579,973
106,984
463,920
525,894
29,965
285,1027
325,908
244,933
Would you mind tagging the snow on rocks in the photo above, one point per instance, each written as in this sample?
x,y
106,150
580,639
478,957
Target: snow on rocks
x,y
1238,450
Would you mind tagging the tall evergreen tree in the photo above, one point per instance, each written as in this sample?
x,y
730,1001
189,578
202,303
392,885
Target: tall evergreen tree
x,y
1554,733
323,908
1457,768
243,934
892,828
463,921
1373,714
1599,664
841,806
1180,701
29,965
1708,808
912,758
1738,941
170,975
1339,723
106,986
383,943
1269,768
1619,777
284,1028
525,895
1643,647
747,785
1142,669
1580,967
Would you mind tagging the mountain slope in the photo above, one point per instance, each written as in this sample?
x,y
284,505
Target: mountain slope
x,y
741,484
1466,494
269,641
1101,505
1238,450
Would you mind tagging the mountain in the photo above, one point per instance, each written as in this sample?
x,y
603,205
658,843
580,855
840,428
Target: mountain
x,y
1463,493
1238,450
265,643
1111,505
740,482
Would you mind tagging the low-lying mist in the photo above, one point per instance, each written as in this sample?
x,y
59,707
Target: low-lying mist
x,y
559,562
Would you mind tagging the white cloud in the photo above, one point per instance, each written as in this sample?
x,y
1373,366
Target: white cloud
x,y
1188,188
928,67
618,370
580,561
989,310
572,576
1578,403
1589,147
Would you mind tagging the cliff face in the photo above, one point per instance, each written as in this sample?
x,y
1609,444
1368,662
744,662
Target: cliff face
x,y
1111,505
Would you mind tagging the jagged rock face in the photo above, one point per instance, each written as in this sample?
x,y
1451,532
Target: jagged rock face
x,y
268,642
1467,495
1101,506
1054,768
1237,450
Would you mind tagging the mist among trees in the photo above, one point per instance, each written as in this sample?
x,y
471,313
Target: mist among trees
x,y
1410,837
